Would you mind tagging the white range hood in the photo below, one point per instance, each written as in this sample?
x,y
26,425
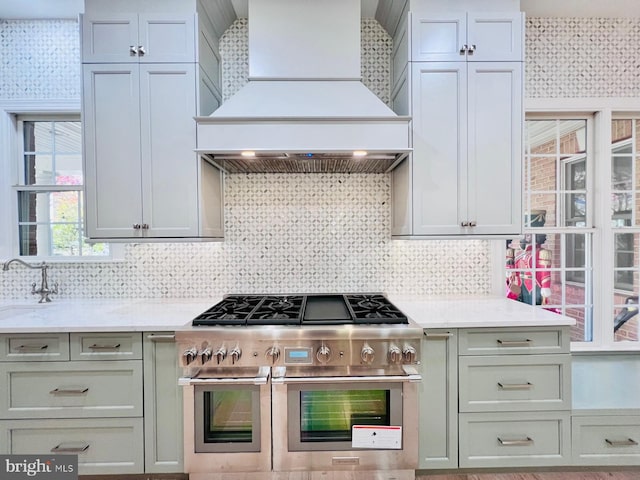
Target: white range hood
x,y
304,108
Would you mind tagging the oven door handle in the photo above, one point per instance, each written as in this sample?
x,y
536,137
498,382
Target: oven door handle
x,y
412,375
261,379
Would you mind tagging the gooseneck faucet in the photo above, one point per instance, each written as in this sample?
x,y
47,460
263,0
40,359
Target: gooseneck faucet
x,y
44,291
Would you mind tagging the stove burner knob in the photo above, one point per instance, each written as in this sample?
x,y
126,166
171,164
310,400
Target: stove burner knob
x,y
323,354
367,354
205,355
395,355
221,354
274,354
409,354
236,353
190,355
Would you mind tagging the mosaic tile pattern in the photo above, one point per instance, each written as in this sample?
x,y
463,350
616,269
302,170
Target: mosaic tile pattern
x,y
582,57
40,59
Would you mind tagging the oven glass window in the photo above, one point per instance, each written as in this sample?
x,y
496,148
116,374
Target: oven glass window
x,y
228,416
328,415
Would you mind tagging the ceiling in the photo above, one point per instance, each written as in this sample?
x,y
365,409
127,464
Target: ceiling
x,y
24,9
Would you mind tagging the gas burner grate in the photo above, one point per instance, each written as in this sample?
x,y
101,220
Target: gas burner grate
x,y
278,310
233,310
374,308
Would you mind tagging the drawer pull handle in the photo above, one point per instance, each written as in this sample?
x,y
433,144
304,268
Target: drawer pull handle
x,y
104,347
629,442
69,391
438,336
32,348
515,343
62,449
161,338
516,442
515,386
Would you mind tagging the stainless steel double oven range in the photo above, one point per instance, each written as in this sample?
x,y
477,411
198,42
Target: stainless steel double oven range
x,y
314,386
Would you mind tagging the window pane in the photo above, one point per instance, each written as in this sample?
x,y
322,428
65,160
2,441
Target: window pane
x,y
543,173
52,153
573,136
542,202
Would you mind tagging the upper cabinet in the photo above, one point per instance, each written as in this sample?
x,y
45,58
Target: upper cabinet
x,y
472,36
142,87
138,38
463,87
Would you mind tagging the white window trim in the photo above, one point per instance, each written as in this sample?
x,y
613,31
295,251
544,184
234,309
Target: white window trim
x,y
603,110
9,177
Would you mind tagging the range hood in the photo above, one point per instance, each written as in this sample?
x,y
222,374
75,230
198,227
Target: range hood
x,y
304,108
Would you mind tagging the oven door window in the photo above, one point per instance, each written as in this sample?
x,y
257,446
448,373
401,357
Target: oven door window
x,y
322,416
227,418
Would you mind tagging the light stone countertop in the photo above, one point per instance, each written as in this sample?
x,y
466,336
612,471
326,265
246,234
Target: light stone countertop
x,y
476,311
110,315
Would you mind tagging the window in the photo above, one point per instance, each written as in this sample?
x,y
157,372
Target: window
x,y
551,266
50,187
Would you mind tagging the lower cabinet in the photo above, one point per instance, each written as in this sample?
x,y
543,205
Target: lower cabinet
x,y
510,439
111,398
103,445
438,397
606,439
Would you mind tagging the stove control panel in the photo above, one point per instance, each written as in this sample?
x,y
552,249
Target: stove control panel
x,y
234,352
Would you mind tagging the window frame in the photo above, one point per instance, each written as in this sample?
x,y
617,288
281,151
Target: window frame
x,y
603,111
10,170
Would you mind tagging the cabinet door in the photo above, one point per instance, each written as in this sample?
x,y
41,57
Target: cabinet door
x,y
168,136
495,36
438,37
166,38
109,39
439,147
137,38
495,122
162,405
111,124
438,393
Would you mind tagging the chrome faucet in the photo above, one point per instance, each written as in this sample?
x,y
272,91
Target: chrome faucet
x,y
44,291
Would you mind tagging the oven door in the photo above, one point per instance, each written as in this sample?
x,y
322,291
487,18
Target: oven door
x,y
227,423
330,423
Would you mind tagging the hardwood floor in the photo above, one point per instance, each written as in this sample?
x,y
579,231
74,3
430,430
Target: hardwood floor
x,y
618,475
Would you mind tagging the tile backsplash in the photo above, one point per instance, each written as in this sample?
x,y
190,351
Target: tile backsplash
x,y
303,233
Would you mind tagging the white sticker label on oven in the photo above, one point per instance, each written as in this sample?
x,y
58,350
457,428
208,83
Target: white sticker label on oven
x,y
372,436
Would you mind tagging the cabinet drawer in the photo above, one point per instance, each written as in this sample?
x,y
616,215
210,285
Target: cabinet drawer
x,y
606,440
516,382
103,446
106,346
514,439
500,341
72,389
34,347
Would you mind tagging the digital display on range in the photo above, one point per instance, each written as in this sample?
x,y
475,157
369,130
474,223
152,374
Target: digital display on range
x,y
298,356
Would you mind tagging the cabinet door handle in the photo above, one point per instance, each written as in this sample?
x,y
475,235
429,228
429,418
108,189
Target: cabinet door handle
x,y
31,348
517,442
629,442
133,51
136,226
463,49
514,343
464,224
62,449
161,338
473,223
438,336
515,386
104,347
145,226
141,51
471,49
69,391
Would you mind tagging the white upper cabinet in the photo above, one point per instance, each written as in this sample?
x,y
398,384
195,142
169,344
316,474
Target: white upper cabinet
x,y
470,36
138,38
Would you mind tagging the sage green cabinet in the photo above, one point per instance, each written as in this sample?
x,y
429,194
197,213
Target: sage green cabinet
x,y
438,394
163,435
